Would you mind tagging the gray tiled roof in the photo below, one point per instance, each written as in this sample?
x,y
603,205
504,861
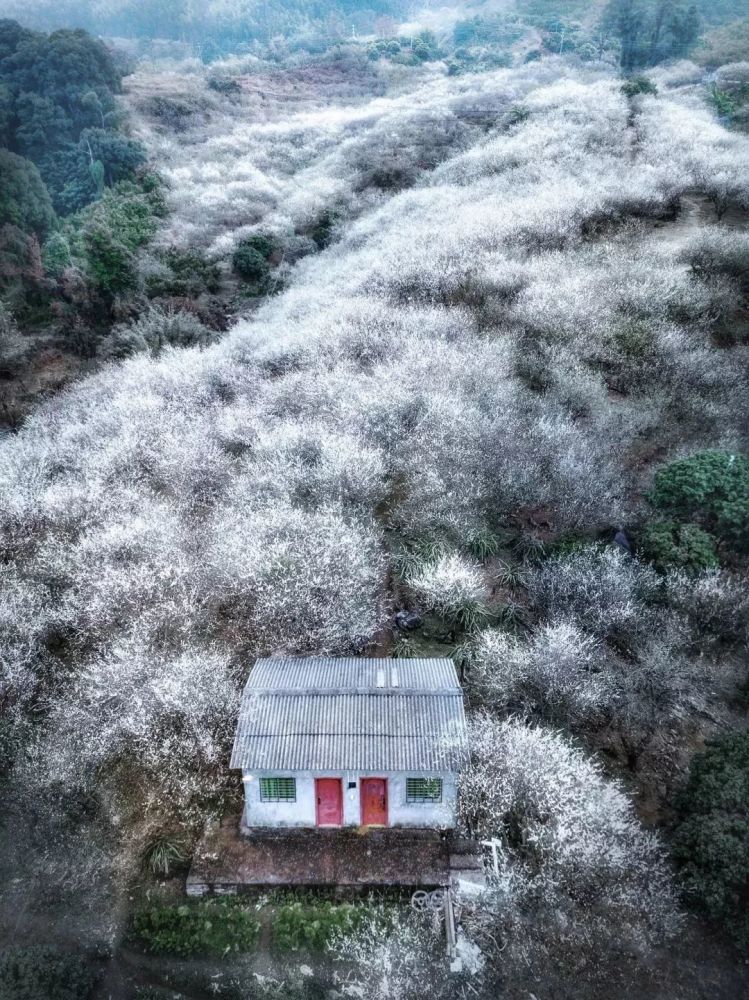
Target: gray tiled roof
x,y
322,713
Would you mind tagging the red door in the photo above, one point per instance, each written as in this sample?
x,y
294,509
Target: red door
x,y
329,794
374,801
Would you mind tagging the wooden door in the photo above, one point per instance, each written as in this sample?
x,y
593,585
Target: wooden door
x,y
329,796
374,801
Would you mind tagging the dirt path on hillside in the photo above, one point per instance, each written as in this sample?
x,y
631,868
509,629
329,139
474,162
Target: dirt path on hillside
x,y
696,212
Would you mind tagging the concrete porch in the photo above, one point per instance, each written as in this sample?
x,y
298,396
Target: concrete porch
x,y
354,859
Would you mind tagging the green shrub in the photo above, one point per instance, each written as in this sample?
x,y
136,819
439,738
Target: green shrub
x,y
264,244
711,844
638,85
110,265
225,84
155,330
670,545
44,973
129,213
250,264
112,230
483,544
189,274
723,102
250,259
164,854
56,254
311,925
207,927
322,230
712,486
14,347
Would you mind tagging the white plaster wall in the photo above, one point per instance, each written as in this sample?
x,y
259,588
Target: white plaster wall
x,y
433,814
438,815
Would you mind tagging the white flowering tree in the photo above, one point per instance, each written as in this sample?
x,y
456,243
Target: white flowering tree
x,y
608,593
558,672
452,587
292,579
576,868
162,723
393,955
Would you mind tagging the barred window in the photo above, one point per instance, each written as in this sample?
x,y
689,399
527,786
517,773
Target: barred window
x,y
423,789
278,789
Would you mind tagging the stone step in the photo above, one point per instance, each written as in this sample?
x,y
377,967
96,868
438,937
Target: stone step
x,y
466,862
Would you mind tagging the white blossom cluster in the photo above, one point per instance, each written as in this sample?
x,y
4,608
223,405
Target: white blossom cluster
x,y
617,650
556,670
449,586
571,850
389,955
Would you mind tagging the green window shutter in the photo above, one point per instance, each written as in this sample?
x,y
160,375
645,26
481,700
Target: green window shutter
x,y
423,789
278,789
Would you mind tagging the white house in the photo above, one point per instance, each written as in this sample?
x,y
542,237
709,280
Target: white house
x,y
333,742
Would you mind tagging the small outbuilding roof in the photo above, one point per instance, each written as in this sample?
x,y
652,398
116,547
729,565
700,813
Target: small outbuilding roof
x,y
348,713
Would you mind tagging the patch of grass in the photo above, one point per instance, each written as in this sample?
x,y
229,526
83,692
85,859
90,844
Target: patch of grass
x,y
410,556
566,544
404,647
484,544
512,614
508,575
722,101
634,339
469,615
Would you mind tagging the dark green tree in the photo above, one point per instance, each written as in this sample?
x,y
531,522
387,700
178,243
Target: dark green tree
x,y
711,843
119,156
7,124
11,36
65,67
56,254
712,487
66,172
57,109
111,265
24,200
42,125
649,31
43,973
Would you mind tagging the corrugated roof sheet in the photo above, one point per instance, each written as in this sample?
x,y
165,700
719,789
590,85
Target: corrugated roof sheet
x,y
322,713
324,672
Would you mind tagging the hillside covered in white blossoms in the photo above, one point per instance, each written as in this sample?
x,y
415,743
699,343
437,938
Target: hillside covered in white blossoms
x,y
503,318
